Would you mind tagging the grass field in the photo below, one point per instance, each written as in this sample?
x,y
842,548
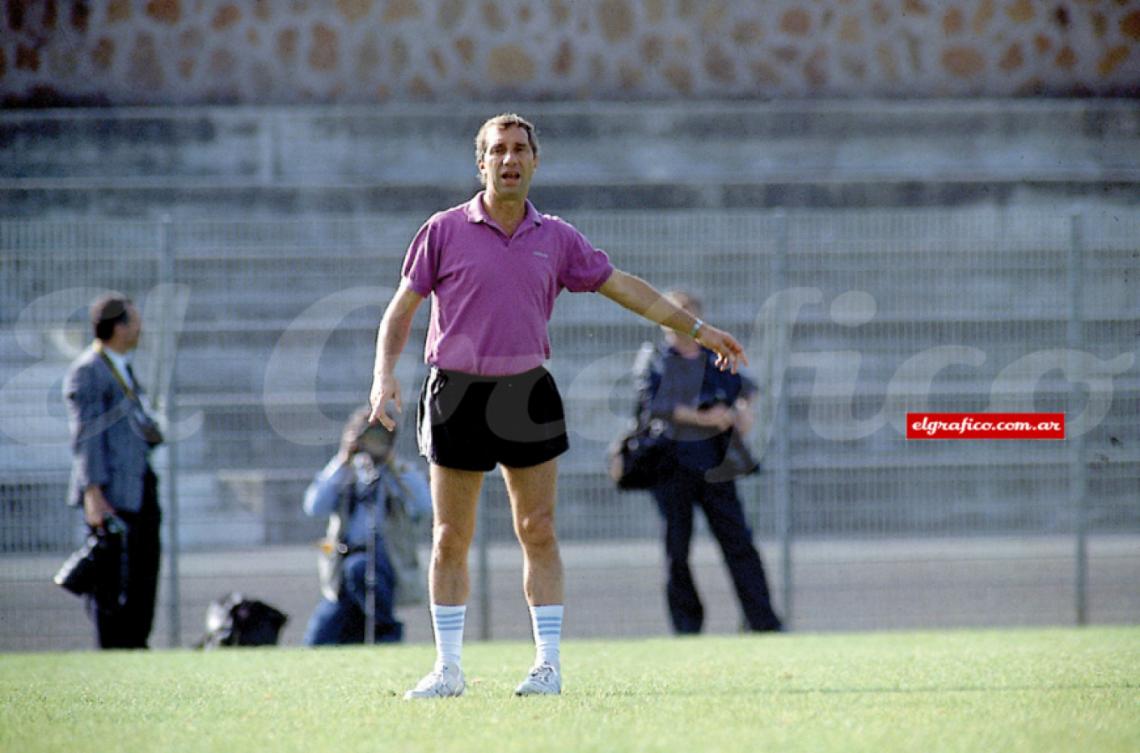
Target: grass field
x,y
1001,690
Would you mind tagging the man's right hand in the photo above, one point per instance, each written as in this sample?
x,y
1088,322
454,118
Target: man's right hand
x,y
719,417
385,388
96,508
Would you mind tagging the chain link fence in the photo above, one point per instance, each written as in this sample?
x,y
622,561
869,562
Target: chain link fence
x,y
259,338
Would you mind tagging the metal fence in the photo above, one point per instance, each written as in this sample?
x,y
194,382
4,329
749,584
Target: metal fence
x,y
259,338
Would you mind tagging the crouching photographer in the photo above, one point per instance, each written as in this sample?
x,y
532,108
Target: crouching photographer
x,y
367,562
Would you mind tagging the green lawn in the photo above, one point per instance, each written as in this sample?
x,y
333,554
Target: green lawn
x,y
1001,690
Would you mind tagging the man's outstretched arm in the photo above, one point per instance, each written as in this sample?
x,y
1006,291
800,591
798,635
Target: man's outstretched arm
x,y
390,342
643,299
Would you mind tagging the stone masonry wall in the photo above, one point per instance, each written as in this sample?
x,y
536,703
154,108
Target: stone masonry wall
x,y
125,52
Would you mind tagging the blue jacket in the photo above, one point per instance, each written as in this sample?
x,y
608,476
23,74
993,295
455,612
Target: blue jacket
x,y
325,492
106,447
665,379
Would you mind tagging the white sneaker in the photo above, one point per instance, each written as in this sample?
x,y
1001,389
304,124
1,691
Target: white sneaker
x,y
544,679
445,681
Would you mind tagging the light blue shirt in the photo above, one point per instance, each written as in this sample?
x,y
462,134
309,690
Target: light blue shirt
x,y
324,493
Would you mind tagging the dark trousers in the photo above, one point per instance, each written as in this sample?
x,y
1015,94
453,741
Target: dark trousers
x,y
342,621
676,499
123,612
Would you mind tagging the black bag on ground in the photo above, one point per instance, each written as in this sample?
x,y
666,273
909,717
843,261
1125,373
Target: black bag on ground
x,y
234,620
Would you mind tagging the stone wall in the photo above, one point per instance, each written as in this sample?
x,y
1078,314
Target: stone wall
x,y
121,52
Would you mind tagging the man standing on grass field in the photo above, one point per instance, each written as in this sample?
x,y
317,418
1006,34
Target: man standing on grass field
x,y
495,266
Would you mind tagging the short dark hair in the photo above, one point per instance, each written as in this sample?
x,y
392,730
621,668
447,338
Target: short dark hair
x,y
108,312
506,120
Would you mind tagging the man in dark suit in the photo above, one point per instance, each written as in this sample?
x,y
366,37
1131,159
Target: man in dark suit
x,y
111,478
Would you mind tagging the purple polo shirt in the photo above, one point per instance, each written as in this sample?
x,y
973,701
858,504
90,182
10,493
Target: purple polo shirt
x,y
494,294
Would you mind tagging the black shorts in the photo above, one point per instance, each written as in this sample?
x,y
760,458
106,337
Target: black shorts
x,y
470,422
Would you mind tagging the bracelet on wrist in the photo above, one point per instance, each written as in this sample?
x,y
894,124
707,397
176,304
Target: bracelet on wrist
x,y
696,328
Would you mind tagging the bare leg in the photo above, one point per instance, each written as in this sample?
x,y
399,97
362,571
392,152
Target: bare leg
x,y
533,492
455,500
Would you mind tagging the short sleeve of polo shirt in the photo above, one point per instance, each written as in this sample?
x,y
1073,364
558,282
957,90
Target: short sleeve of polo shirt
x,y
584,268
421,264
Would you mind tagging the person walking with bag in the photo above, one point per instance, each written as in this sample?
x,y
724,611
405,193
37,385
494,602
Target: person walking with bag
x,y
708,412
112,435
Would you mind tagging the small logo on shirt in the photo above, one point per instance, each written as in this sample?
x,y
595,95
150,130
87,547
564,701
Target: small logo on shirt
x,y
543,254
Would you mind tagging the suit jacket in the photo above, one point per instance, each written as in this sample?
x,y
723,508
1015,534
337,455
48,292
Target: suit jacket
x,y
107,449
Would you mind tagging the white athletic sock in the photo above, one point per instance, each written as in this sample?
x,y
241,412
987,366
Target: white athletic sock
x,y
448,625
547,624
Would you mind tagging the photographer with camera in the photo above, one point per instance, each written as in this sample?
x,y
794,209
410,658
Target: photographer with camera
x,y
363,490
708,414
112,435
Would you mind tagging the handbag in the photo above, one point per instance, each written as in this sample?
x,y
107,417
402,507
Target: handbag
x,y
641,457
334,548
97,567
146,426
234,620
738,461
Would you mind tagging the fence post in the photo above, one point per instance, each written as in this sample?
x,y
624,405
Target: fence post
x,y
782,488
269,132
1077,477
168,357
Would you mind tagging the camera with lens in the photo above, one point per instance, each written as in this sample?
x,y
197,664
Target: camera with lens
x,y
96,562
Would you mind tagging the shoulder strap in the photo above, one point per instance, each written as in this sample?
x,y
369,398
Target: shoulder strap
x,y
118,377
648,362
